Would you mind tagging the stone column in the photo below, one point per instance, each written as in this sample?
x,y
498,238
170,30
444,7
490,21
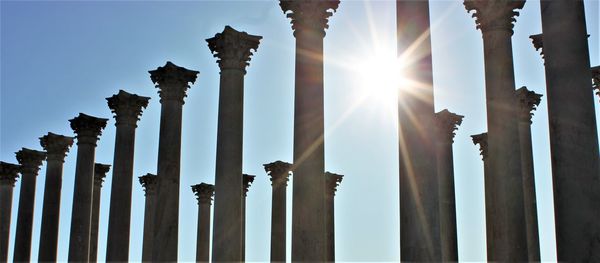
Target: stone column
x,y
596,79
8,176
447,123
148,181
528,101
233,50
495,19
88,130
204,193
309,20
279,172
333,181
57,147
247,181
100,171
490,209
127,109
30,161
173,84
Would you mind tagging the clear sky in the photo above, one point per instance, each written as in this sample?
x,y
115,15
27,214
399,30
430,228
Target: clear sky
x,y
62,58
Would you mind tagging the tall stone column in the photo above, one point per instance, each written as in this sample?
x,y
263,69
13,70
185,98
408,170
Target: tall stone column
x,y
447,123
247,181
309,20
173,84
8,176
127,109
204,193
57,147
490,208
88,130
528,101
333,181
100,171
495,19
148,182
279,172
596,79
30,161
233,50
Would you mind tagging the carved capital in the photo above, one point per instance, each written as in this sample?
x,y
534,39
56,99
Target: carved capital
x,y
279,172
528,102
87,128
30,160
494,15
9,173
57,146
332,181
148,182
172,81
204,192
481,139
538,43
447,123
233,49
596,79
127,107
309,15
247,180
100,171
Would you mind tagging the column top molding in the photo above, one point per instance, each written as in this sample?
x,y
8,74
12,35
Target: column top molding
x,y
309,15
494,15
528,102
279,172
481,140
596,79
447,123
57,146
172,81
127,107
148,182
88,128
538,43
332,181
100,171
30,160
204,192
233,48
247,180
9,173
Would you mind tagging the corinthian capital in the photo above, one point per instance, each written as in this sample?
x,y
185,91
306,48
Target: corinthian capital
x,y
528,102
247,181
127,107
204,192
481,139
30,160
172,81
232,48
9,173
100,171
148,182
447,123
538,43
87,128
309,15
596,79
56,146
279,172
332,181
494,14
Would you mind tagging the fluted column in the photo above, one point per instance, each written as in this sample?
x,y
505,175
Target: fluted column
x,y
8,176
100,171
447,123
309,20
490,208
88,130
57,147
204,193
30,161
495,19
172,82
148,182
279,172
127,109
247,181
332,181
596,79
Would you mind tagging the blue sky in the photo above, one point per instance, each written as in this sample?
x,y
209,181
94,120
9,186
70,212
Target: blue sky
x,y
62,58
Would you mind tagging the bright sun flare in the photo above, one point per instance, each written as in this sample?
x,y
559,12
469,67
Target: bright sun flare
x,y
380,76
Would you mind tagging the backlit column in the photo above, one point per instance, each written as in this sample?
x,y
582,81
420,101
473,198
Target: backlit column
x,y
232,50
528,101
8,176
173,82
332,182
447,123
495,19
127,109
309,21
57,147
247,181
596,79
88,130
100,171
204,193
148,182
279,172
490,209
30,161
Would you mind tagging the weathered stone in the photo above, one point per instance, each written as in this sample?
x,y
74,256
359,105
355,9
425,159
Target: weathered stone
x,y
204,193
148,182
279,172
8,176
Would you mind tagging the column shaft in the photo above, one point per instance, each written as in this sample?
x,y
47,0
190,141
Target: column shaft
x,y
96,195
529,196
330,224
6,196
51,211
203,239
448,233
22,248
278,223
148,238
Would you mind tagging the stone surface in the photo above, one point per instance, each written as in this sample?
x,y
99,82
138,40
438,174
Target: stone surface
x,y
490,209
148,182
246,182
279,172
8,176
204,193
332,182
100,171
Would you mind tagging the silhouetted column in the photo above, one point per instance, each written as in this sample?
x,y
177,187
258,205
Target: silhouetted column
x,y
333,181
100,171
233,50
490,208
309,21
204,193
127,109
279,172
172,82
447,123
30,161
528,101
247,181
57,147
495,19
148,182
88,130
8,176
596,79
